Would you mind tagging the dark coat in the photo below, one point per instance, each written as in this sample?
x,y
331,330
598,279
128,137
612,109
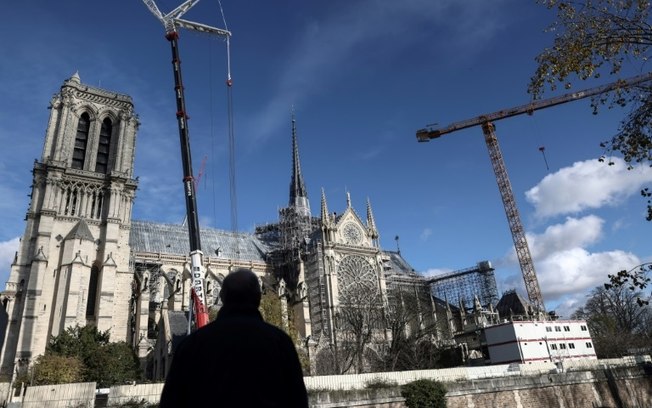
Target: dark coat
x,y
238,360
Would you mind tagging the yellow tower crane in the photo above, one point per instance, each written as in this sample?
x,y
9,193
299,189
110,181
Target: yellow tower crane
x,y
498,164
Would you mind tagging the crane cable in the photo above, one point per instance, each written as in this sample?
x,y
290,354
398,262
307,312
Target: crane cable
x,y
536,130
229,93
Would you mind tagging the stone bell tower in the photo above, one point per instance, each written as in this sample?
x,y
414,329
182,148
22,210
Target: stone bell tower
x,y
72,265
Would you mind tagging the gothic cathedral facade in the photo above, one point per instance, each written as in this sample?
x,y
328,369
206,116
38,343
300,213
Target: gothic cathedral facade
x,y
83,261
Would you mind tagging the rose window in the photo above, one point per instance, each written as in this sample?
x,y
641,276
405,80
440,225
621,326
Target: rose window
x,y
356,278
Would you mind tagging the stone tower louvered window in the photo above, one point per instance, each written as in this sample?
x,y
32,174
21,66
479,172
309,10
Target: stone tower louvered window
x,y
102,162
81,139
92,291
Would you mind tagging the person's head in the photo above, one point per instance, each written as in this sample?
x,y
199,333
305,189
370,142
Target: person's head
x,y
241,287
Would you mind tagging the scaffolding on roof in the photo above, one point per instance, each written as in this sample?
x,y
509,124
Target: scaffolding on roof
x,y
463,286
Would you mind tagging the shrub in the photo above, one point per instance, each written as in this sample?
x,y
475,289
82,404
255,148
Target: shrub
x,y
424,394
378,383
134,403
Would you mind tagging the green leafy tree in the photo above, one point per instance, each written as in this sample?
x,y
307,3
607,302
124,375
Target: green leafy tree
x,y
270,308
618,325
112,363
56,369
80,341
104,362
272,311
424,394
598,37
212,313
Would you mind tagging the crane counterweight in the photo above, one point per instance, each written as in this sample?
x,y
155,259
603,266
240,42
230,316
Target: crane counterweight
x,y
424,135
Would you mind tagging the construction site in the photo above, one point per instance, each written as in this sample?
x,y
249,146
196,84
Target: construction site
x,y
158,282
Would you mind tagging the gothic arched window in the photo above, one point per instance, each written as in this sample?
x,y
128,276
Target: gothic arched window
x,y
81,139
102,162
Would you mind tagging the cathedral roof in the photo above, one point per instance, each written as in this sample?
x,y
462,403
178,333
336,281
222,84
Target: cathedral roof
x,y
154,237
513,304
396,265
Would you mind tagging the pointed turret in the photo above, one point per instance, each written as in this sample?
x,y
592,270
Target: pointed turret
x,y
326,219
75,78
371,223
476,304
325,215
298,193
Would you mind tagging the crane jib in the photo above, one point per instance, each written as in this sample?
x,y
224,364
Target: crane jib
x,y
424,135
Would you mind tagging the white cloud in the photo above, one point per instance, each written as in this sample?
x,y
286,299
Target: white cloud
x,y
569,305
585,185
436,272
577,270
574,233
7,252
425,234
565,267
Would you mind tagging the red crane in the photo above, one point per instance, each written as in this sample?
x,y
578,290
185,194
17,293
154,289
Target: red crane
x,y
171,21
504,185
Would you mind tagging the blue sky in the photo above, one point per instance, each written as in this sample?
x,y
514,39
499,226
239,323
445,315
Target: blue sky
x,y
362,76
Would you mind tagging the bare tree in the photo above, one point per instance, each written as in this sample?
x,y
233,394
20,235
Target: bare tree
x,y
617,323
634,279
413,333
360,327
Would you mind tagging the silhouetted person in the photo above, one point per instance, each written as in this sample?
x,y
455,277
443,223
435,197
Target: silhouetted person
x,y
237,360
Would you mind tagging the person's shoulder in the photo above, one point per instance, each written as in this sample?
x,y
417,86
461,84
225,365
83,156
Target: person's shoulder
x,y
270,327
198,336
274,330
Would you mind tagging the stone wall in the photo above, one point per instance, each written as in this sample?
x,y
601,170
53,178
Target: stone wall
x,y
121,394
604,387
613,387
377,398
80,395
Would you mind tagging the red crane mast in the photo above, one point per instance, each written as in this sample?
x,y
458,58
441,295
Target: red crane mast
x,y
171,21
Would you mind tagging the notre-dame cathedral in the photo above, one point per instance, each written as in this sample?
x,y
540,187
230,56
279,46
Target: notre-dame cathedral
x,y
83,261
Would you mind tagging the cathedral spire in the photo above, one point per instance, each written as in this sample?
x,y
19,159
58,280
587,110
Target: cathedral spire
x,y
326,219
325,216
298,193
371,222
